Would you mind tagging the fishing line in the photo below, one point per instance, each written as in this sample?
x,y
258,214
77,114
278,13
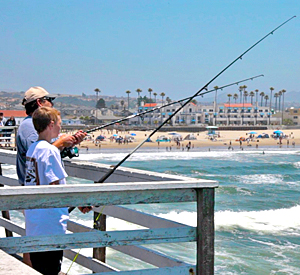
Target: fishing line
x,y
95,223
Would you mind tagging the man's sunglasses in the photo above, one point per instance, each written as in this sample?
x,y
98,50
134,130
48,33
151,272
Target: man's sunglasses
x,y
50,99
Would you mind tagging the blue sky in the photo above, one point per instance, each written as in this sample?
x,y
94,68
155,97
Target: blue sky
x,y
171,46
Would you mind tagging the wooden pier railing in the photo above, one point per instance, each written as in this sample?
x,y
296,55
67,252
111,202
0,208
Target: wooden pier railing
x,y
126,186
7,136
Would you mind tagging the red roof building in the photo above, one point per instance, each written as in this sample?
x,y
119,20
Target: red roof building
x,y
238,105
150,105
15,113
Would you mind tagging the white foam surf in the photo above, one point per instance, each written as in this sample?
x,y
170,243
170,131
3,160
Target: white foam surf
x,y
277,221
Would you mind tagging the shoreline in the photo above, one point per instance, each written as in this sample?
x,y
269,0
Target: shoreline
x,y
225,140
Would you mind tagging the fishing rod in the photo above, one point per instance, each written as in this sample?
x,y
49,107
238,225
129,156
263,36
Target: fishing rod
x,y
205,87
73,151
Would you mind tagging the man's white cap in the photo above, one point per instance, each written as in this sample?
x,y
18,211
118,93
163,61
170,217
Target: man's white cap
x,y
35,93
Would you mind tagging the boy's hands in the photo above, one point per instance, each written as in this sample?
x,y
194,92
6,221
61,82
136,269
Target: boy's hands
x,y
79,136
85,209
69,140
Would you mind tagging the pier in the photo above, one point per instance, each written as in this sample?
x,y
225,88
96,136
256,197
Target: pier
x,y
125,187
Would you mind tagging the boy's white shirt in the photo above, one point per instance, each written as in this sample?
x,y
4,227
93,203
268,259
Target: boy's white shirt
x,y
43,166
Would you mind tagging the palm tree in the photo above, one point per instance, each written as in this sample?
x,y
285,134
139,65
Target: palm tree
x,y
266,98
128,92
162,97
276,97
155,95
97,91
162,100
150,91
279,104
271,89
283,92
229,96
262,94
139,101
246,95
241,90
216,95
169,100
235,97
251,95
256,91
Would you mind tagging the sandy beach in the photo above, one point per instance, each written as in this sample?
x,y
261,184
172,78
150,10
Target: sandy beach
x,y
225,139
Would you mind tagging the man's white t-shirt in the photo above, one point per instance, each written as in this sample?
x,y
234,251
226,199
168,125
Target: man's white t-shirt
x,y
43,166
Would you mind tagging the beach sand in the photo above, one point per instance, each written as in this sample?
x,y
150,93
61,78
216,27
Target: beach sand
x,y
202,139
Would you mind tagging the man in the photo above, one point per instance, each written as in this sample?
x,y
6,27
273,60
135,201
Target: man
x,y
34,98
44,167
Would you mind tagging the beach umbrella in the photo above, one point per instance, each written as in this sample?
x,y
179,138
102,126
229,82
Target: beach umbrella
x,y
252,133
133,134
277,132
115,135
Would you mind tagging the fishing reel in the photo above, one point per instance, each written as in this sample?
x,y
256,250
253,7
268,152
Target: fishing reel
x,y
69,152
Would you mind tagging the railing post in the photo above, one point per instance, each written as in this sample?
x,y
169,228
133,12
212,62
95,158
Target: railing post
x,y
5,214
205,231
99,253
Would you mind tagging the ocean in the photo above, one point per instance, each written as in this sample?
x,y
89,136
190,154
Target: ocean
x,y
257,208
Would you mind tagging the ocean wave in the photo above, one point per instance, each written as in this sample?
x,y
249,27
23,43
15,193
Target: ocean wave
x,y
278,221
260,179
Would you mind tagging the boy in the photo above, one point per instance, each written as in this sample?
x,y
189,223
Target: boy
x,y
44,167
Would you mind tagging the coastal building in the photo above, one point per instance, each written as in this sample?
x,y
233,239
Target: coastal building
x,y
103,115
199,114
290,116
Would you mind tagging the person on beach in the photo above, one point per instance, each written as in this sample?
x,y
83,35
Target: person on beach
x,y
44,167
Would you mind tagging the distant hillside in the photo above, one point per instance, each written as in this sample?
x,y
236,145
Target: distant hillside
x,y
75,101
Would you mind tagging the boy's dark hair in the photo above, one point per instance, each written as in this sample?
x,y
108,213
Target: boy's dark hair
x,y
43,116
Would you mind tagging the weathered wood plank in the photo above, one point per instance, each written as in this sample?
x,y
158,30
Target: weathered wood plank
x,y
88,262
11,266
97,239
149,256
178,270
142,253
8,157
99,253
205,231
6,181
73,195
11,226
138,217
